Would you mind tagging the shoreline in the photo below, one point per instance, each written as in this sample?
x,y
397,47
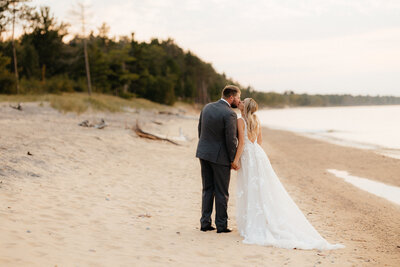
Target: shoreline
x,y
302,163
106,197
386,168
369,127
389,152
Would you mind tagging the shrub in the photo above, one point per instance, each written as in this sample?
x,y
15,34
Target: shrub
x,y
7,80
59,84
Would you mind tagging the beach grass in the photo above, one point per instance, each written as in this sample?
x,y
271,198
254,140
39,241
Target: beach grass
x,y
81,102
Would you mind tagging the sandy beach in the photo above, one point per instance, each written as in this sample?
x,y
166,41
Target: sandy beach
x,y
106,197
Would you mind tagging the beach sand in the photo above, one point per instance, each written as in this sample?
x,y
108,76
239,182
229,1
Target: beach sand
x,y
90,197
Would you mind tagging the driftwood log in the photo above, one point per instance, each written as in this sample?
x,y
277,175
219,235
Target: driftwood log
x,y
86,123
147,135
168,113
18,107
101,125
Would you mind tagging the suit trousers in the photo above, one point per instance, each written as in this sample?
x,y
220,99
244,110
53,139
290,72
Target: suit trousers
x,y
215,178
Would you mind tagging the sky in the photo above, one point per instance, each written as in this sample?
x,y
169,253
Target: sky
x,y
307,46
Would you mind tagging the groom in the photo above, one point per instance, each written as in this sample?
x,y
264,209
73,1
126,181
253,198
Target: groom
x,y
216,150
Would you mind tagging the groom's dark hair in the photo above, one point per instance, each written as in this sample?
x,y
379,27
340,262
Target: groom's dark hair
x,y
230,90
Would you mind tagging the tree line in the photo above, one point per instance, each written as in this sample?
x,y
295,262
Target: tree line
x,y
291,99
40,61
158,70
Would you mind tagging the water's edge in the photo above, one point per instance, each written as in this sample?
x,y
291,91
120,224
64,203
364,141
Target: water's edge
x,y
389,192
388,152
374,128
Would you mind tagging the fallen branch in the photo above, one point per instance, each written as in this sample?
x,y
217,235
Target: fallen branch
x,y
101,125
168,113
86,123
18,107
144,134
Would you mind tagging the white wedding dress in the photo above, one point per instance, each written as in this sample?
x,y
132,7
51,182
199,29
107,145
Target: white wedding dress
x,y
266,214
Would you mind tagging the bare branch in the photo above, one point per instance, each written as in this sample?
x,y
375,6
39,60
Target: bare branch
x,y
147,135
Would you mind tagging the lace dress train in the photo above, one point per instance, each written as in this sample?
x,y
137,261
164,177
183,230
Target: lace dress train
x,y
266,214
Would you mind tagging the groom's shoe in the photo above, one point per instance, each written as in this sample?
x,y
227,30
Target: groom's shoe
x,y
207,228
224,230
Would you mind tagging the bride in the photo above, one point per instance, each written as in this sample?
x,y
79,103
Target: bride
x,y
266,214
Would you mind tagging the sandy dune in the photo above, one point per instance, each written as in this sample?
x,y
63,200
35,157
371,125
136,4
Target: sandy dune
x,y
89,197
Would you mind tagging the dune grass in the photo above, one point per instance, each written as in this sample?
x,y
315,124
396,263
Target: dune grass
x,y
80,102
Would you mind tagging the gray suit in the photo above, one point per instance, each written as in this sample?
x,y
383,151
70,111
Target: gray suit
x,y
216,150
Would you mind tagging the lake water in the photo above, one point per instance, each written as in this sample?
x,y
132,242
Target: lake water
x,y
368,127
389,192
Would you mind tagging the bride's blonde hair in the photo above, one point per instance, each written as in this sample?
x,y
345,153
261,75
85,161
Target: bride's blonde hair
x,y
251,106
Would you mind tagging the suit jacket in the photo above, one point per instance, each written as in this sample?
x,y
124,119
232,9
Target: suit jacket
x,y
217,133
